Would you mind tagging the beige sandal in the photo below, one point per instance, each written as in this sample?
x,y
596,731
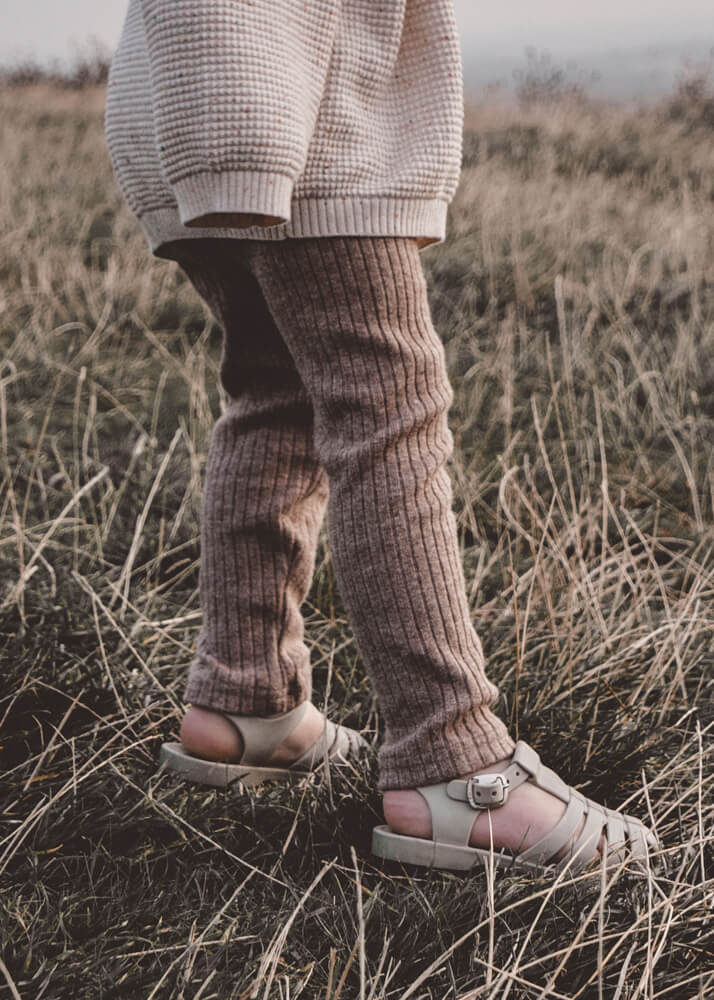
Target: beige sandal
x,y
452,805
261,737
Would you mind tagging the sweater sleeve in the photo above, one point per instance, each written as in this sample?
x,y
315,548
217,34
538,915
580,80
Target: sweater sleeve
x,y
236,87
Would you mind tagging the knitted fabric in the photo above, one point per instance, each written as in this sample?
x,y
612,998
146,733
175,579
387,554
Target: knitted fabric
x,y
331,117
339,399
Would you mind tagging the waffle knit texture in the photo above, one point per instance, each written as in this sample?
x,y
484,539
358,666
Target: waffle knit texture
x,y
332,117
338,401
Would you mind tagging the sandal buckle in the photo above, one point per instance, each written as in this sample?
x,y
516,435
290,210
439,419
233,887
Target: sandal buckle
x,y
486,790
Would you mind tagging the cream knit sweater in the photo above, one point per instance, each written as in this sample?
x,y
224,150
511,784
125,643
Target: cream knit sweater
x,y
326,117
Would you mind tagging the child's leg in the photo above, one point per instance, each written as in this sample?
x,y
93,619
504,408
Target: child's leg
x,y
354,314
264,499
368,363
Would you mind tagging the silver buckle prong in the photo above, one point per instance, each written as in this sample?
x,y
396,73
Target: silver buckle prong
x,y
486,790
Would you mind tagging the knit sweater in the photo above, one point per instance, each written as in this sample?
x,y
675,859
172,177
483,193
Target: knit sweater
x,y
318,117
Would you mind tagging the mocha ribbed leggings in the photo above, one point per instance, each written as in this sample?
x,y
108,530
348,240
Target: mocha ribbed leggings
x,y
339,396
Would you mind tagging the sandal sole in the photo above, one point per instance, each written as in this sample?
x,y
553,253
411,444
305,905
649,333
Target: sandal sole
x,y
452,857
429,854
220,775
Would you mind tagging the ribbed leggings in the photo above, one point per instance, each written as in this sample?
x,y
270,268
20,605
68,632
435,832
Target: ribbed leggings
x,y
339,399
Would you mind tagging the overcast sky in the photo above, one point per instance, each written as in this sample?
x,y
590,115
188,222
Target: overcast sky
x,y
48,28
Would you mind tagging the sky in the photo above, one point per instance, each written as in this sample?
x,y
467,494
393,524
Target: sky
x,y
494,36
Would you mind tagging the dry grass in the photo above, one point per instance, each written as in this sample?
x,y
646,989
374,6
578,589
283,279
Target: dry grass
x,y
575,297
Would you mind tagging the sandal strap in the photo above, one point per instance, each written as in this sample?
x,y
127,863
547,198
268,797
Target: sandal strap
x,y
261,736
585,847
487,791
332,740
526,758
549,845
451,821
338,743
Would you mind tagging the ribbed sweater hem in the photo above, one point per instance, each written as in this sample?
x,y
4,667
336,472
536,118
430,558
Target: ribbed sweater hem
x,y
261,191
349,216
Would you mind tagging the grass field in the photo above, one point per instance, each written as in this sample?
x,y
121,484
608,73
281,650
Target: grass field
x,y
575,298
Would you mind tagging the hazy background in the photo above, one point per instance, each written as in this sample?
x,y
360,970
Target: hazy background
x,y
636,47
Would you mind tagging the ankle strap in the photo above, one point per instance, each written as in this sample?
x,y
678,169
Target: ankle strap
x,y
261,736
486,791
